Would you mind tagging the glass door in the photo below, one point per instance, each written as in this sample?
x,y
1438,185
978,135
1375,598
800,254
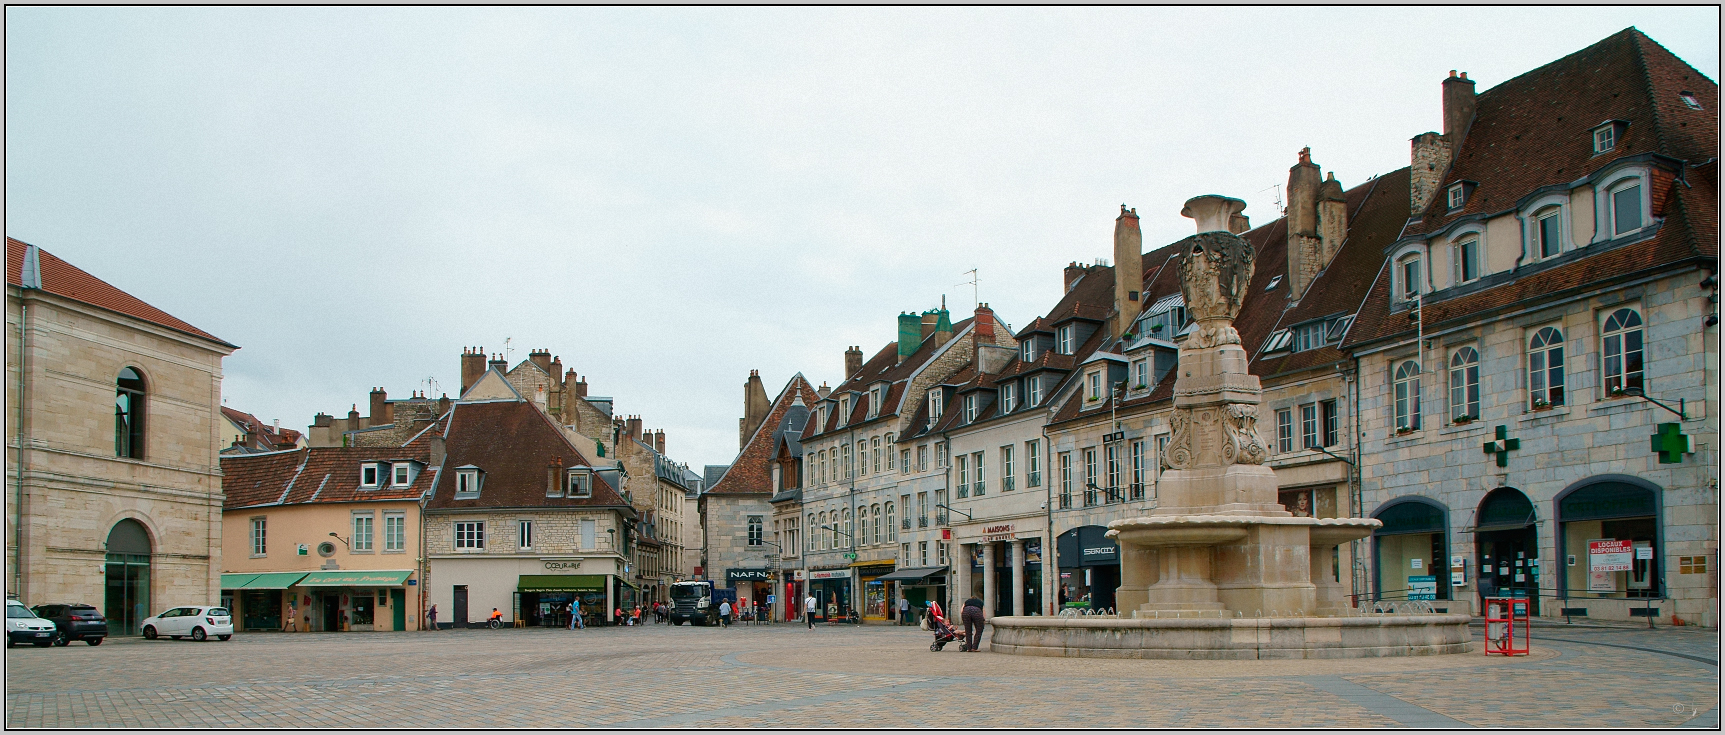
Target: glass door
x,y
127,595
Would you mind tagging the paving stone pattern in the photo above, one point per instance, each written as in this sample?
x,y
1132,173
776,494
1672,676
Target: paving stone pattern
x,y
841,677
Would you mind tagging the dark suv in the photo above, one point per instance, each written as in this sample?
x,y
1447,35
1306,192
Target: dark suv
x,y
75,623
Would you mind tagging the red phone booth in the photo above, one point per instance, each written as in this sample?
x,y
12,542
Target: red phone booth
x,y
1505,618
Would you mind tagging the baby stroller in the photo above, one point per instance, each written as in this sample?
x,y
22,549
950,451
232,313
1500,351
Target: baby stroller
x,y
943,633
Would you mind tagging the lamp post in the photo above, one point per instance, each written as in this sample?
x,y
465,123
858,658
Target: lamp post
x,y
1637,391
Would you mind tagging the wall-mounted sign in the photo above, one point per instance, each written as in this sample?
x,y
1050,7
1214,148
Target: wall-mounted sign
x,y
562,564
800,574
747,575
998,532
829,574
1610,555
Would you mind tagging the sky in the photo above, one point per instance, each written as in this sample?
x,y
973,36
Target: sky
x,y
669,198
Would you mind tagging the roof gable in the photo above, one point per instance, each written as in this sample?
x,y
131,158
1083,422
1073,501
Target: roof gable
x,y
61,278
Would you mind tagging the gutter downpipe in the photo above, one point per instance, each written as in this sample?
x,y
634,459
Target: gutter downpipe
x,y
23,433
952,578
1050,554
1356,481
850,507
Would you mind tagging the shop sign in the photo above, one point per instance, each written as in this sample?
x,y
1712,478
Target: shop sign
x,y
1422,588
747,575
559,565
799,575
1608,555
830,574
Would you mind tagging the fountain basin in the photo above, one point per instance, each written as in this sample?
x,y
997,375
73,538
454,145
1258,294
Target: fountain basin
x,y
1370,636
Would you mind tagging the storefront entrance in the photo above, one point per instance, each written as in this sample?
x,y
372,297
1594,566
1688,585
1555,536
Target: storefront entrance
x,y
832,592
1506,542
545,598
876,604
331,612
127,577
1597,511
1089,563
1410,551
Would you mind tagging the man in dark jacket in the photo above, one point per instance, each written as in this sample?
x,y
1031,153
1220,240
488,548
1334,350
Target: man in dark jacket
x,y
973,621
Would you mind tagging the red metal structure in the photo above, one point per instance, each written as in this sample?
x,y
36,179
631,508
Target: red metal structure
x,y
1505,617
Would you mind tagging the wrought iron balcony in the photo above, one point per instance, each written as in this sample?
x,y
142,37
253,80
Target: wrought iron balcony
x,y
922,521
905,524
1007,484
1137,491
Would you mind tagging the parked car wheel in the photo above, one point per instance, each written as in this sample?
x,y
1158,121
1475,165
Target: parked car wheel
x,y
223,637
198,633
93,641
61,640
150,632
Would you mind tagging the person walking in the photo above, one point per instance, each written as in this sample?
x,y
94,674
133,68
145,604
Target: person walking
x,y
575,620
725,614
903,610
973,622
431,618
809,609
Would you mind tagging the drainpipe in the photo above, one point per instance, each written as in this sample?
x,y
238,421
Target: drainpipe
x,y
1050,551
850,507
1356,500
23,434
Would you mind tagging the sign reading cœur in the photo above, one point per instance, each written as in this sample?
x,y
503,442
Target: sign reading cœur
x,y
560,565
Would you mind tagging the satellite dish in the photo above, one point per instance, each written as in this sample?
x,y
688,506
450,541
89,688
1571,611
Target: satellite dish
x,y
326,549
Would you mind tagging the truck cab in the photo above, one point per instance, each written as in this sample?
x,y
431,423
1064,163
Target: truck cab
x,y
698,602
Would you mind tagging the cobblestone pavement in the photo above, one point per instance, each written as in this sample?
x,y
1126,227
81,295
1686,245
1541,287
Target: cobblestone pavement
x,y
873,676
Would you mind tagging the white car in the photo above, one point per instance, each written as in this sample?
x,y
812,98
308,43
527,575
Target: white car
x,y
23,626
197,621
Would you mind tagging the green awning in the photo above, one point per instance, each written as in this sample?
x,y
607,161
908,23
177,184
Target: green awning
x,y
236,581
273,581
562,583
357,578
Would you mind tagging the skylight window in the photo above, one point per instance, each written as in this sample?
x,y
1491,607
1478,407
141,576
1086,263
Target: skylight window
x,y
1278,340
1690,100
1274,282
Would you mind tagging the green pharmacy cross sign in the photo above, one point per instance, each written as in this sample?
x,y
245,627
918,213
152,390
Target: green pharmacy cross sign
x,y
1502,446
1671,444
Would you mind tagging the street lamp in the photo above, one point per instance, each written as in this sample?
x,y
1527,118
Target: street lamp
x,y
1637,391
342,540
938,506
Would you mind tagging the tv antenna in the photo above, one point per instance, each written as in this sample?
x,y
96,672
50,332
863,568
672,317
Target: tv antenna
x,y
1279,208
507,349
975,287
431,385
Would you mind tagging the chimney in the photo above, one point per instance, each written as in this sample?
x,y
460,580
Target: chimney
x,y
942,325
1332,219
929,318
352,418
824,391
1304,259
1458,109
1128,268
542,358
379,406
1240,224
909,334
472,366
1074,271
633,427
443,405
322,420
581,388
438,450
659,441
556,370
251,440
755,407
984,324
552,471
853,361
502,365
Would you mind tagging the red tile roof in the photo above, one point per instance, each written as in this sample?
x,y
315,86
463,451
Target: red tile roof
x,y
315,475
268,436
514,444
752,470
64,279
883,366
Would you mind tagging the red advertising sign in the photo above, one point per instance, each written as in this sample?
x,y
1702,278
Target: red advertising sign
x,y
1608,555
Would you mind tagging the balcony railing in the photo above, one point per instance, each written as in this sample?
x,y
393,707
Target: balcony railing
x,y
940,519
1091,498
1007,483
905,524
922,521
1065,500
964,490
1137,491
978,488
1033,479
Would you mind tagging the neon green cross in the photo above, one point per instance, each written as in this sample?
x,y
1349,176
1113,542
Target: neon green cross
x,y
1502,446
1670,443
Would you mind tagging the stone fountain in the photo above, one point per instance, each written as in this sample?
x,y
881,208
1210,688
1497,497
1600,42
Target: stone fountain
x,y
1219,569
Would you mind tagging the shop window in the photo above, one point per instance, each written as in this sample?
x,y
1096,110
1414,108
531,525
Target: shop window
x,y
129,414
1407,396
1545,368
1610,535
1621,347
1411,551
1464,384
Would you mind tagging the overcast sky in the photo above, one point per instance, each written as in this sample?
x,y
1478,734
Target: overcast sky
x,y
668,198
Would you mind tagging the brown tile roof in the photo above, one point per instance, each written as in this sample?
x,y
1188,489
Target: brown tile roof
x,y
1533,131
64,279
883,366
752,470
315,475
514,444
268,436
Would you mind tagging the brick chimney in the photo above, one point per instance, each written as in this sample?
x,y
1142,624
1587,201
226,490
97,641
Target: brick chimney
x,y
498,361
1432,152
379,407
853,361
755,407
1458,109
542,358
443,405
1074,271
472,366
1128,269
633,427
1304,258
659,440
984,324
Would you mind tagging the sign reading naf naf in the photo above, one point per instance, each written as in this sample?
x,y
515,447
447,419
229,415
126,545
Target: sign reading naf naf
x,y
747,575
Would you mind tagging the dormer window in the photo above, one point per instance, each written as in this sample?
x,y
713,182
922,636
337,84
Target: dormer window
x,y
1141,374
1310,336
1008,397
1032,391
468,480
876,397
1626,207
970,408
1093,381
1607,135
578,483
821,425
1274,282
368,474
1030,350
1278,340
936,405
1467,259
844,409
401,474
1408,268
1548,232
1457,196
1063,340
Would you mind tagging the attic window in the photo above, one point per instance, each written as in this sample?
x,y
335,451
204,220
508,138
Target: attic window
x,y
1690,100
579,484
368,475
403,475
1278,340
1607,134
1339,328
468,480
1274,282
1457,196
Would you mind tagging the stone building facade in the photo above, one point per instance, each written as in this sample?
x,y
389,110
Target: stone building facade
x,y
113,432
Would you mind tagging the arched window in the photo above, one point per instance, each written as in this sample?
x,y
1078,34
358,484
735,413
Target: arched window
x,y
1467,261
1622,350
1408,268
1545,368
129,415
825,539
1626,207
849,539
813,535
877,524
862,524
1548,231
1407,390
1464,383
891,524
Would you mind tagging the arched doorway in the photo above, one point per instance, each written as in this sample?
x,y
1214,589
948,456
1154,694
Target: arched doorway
x,y
128,577
1609,508
1410,549
1506,542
